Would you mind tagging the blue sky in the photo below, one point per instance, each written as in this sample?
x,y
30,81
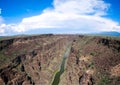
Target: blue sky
x,y
114,10
15,10
58,16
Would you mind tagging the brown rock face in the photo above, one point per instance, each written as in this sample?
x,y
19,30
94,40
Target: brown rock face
x,y
91,62
34,60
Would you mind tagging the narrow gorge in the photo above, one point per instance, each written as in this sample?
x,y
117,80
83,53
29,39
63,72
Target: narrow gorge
x,y
60,60
62,67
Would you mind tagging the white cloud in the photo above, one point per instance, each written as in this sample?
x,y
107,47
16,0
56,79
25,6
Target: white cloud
x,y
82,15
1,26
81,6
2,31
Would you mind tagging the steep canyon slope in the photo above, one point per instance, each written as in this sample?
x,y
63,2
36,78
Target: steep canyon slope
x,y
35,60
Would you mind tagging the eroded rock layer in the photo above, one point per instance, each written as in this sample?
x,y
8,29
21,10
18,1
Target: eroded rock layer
x,y
93,61
34,60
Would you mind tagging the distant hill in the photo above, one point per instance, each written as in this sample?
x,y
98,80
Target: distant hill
x,y
2,36
110,33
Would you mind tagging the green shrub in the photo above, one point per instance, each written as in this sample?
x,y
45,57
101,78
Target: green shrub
x,y
92,54
104,80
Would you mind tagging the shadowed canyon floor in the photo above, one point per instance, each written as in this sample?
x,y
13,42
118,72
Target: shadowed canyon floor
x,y
41,60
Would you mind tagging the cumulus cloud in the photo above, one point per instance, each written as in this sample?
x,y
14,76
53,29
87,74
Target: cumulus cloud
x,y
1,26
93,7
81,15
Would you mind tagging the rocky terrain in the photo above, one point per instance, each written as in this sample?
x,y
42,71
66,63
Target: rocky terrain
x,y
93,61
35,60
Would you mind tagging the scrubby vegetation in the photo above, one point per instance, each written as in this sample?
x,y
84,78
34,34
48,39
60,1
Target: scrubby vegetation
x,y
93,60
